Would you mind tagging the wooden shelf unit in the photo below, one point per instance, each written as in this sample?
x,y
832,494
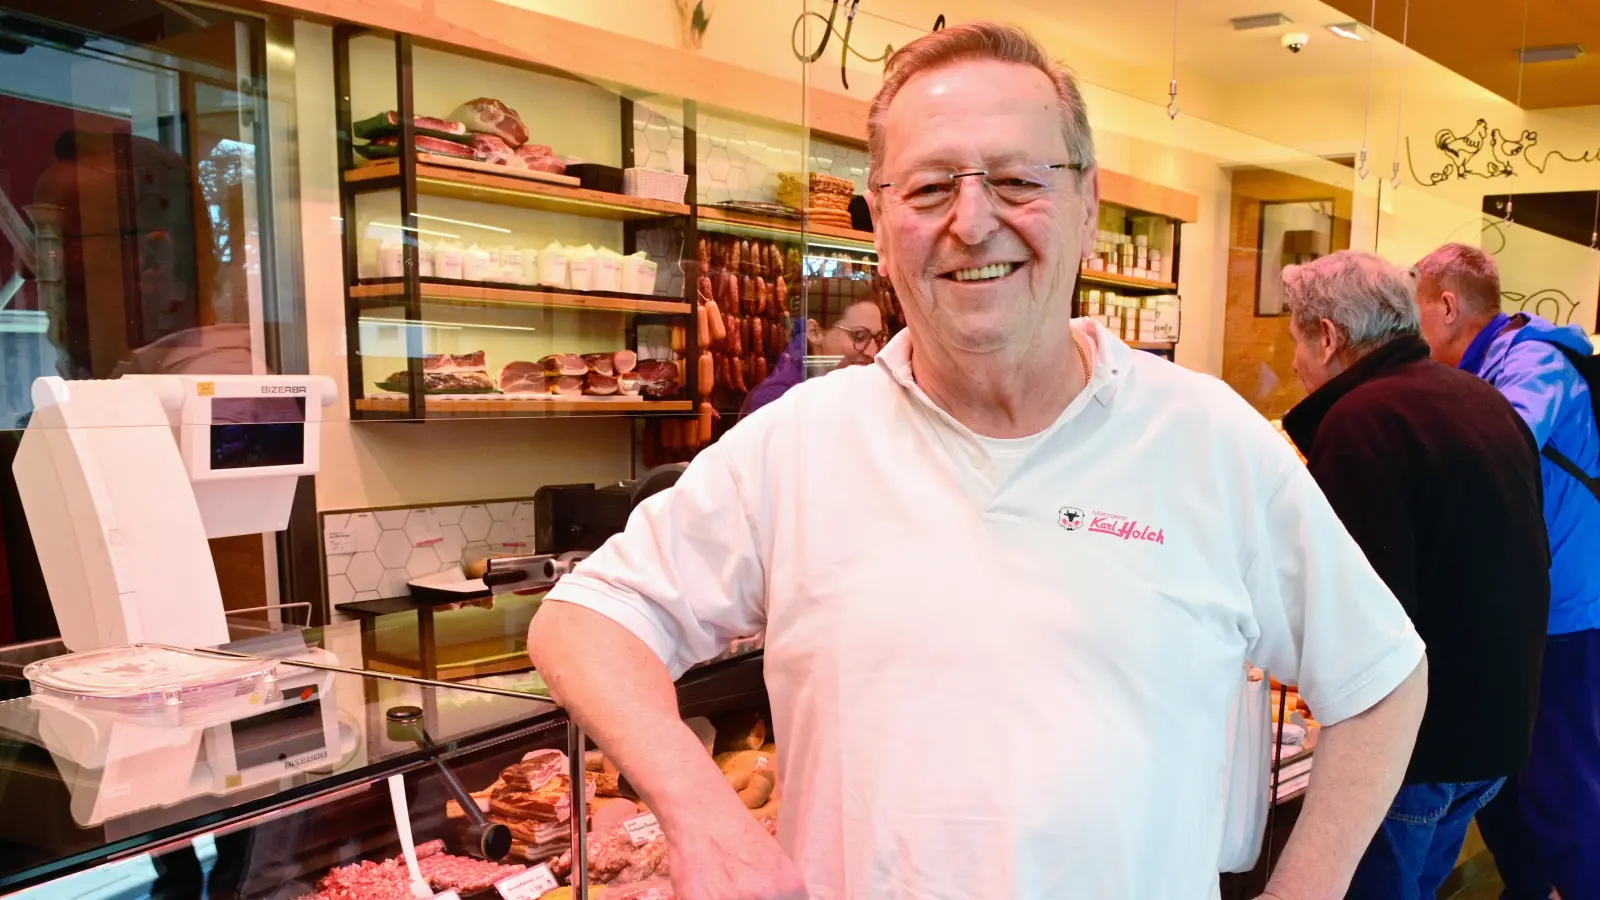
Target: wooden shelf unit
x,y
714,219
552,407
517,296
1113,280
506,190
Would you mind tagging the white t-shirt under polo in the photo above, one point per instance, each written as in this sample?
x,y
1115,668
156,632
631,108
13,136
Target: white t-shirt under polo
x,y
1012,691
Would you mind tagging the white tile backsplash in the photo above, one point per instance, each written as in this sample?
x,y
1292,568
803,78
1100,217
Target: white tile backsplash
x,y
387,556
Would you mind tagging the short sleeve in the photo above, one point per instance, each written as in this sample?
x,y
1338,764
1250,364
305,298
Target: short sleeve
x,y
685,576
1327,623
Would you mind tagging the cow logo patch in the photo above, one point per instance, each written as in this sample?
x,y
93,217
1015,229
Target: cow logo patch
x,y
1072,518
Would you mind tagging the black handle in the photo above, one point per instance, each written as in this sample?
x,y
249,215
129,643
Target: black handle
x,y
507,576
485,839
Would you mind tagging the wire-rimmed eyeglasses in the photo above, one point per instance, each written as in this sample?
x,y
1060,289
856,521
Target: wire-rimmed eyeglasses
x,y
933,188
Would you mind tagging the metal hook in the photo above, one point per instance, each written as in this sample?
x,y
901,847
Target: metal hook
x,y
1172,104
1361,165
1394,180
1510,201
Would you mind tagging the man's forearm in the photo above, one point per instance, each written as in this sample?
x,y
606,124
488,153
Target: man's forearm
x,y
1359,767
620,693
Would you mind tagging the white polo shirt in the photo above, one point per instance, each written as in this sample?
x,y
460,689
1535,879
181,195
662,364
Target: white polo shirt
x,y
1012,692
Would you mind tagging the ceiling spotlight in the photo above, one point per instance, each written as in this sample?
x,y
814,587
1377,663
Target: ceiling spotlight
x,y
1551,54
1266,20
1350,31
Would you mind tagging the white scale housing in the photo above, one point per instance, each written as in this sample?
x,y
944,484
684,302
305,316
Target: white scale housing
x,y
120,512
123,482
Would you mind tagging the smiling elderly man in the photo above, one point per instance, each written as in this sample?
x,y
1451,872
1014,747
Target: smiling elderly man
x,y
984,687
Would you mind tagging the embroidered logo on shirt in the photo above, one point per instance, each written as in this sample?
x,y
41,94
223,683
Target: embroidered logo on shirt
x,y
1072,518
1125,528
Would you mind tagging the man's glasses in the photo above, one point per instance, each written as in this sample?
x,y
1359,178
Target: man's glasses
x,y
933,188
862,337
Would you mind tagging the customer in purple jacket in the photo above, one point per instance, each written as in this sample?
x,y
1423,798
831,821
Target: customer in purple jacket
x,y
1544,828
849,330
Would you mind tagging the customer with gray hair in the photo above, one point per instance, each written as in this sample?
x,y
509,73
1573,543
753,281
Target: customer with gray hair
x,y
1427,467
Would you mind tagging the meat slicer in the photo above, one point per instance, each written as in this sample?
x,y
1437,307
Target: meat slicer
x,y
123,482
570,522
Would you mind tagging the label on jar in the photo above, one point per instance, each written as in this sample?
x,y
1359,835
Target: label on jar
x,y
643,829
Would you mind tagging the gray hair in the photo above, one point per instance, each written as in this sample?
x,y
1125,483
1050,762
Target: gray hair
x,y
981,41
1371,301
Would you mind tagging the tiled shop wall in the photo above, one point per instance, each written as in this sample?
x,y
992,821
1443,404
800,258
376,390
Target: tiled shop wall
x,y
392,546
737,160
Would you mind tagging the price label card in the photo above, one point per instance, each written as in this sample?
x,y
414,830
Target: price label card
x,y
643,829
336,543
447,895
528,884
422,528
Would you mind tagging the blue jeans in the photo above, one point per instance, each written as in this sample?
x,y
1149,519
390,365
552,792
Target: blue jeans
x,y
1544,828
1416,847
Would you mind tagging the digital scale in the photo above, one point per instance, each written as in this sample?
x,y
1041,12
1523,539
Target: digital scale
x,y
123,482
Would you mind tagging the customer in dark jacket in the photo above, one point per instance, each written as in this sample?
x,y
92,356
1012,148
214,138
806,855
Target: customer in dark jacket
x,y
1544,829
1437,478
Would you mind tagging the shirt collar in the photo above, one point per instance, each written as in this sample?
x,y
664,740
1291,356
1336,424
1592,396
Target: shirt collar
x,y
1111,361
1305,419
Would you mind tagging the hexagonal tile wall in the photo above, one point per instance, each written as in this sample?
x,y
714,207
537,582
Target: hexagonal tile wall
x,y
393,546
741,161
365,572
423,561
365,529
339,590
475,523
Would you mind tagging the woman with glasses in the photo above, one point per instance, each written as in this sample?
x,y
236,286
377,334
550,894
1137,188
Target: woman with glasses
x,y
850,332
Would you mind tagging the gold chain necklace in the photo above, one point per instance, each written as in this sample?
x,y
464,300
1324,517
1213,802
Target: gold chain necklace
x,y
1084,359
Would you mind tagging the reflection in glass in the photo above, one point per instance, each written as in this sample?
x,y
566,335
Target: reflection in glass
x,y
1291,234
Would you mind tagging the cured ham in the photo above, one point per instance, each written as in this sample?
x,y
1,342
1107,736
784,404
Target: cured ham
x,y
386,146
600,363
600,385
486,115
476,361
388,123
564,364
624,361
565,385
658,378
491,149
540,158
522,378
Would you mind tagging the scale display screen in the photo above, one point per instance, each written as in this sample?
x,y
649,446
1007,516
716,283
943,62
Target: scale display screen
x,y
255,432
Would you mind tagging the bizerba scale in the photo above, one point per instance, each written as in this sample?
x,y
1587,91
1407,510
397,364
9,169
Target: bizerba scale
x,y
123,482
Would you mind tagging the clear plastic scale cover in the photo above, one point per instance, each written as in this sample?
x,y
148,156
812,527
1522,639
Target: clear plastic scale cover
x,y
145,679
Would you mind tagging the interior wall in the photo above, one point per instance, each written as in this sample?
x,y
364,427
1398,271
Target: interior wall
x,y
399,463
1258,351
